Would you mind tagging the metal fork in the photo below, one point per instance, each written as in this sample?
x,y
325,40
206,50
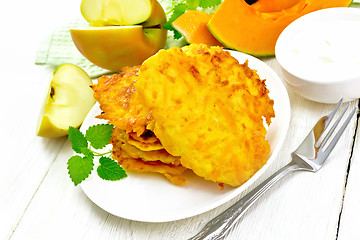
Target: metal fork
x,y
309,156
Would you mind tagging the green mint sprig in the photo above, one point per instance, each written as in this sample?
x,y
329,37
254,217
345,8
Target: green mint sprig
x,y
81,165
181,7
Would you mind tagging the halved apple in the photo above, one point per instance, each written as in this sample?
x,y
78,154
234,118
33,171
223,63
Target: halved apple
x,y
114,47
67,102
115,12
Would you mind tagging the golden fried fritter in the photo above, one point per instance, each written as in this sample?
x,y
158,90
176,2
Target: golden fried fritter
x,y
149,154
173,173
172,170
134,145
146,141
118,102
208,109
193,108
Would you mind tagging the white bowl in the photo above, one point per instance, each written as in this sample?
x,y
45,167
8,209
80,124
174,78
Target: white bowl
x,y
319,55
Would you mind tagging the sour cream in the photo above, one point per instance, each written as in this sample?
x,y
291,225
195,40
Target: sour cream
x,y
325,51
322,48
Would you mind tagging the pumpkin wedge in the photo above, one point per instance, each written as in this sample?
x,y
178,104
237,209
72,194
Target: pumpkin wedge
x,y
241,27
273,5
193,26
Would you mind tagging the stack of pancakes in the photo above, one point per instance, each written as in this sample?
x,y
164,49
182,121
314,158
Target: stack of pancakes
x,y
193,108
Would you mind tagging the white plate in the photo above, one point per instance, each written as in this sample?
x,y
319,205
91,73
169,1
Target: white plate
x,y
152,198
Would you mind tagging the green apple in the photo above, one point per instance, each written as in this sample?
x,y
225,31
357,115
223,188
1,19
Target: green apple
x,y
115,12
67,102
114,47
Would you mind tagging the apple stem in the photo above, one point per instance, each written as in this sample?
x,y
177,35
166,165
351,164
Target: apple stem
x,y
52,92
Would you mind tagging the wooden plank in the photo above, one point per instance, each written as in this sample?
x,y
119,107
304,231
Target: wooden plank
x,y
350,216
25,157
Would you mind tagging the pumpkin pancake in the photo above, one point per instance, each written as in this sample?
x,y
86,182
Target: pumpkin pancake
x,y
146,141
192,108
118,102
172,170
150,154
208,109
135,146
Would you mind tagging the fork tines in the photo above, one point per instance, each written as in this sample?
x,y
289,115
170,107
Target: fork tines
x,y
323,139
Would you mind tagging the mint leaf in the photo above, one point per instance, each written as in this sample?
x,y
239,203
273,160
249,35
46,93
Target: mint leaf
x,y
192,4
209,3
110,170
77,139
87,152
179,9
79,168
99,135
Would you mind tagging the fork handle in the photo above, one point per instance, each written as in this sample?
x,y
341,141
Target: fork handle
x,y
218,227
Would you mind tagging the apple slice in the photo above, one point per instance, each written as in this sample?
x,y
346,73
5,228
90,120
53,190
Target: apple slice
x,y
114,47
67,102
115,12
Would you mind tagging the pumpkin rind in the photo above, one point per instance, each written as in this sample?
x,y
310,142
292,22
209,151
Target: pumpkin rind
x,y
241,27
273,5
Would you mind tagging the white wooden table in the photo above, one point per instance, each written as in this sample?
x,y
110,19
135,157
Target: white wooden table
x,y
38,201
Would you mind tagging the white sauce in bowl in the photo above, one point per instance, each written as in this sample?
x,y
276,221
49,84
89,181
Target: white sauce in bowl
x,y
321,46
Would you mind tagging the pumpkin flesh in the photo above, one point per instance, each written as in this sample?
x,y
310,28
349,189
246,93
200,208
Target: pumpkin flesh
x,y
241,27
193,26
